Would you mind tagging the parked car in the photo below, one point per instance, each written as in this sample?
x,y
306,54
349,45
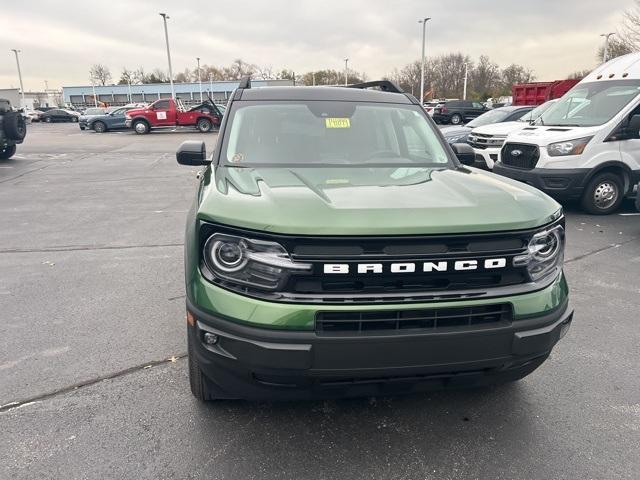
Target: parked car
x,y
172,113
13,129
587,145
336,247
115,120
457,112
84,118
59,115
460,133
31,115
487,140
431,106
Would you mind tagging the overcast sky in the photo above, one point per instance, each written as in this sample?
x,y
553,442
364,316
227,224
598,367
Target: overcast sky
x,y
60,40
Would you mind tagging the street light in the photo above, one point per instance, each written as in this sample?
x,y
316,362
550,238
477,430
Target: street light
x,y
466,74
346,69
199,78
211,84
606,44
24,104
166,37
424,28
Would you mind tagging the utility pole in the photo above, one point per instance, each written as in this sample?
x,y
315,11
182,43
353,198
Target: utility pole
x,y
346,70
199,78
424,36
166,37
313,78
16,51
211,84
466,74
606,44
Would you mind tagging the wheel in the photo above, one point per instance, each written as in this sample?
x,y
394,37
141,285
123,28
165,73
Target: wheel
x,y
74,119
14,126
47,119
7,152
141,127
81,127
604,194
204,125
99,127
456,119
197,380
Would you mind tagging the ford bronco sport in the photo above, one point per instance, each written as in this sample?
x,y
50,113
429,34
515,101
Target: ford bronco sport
x,y
338,247
13,129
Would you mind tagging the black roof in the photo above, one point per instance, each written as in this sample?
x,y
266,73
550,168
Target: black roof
x,y
343,94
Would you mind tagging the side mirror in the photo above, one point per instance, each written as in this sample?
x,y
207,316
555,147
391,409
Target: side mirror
x,y
633,128
192,152
465,153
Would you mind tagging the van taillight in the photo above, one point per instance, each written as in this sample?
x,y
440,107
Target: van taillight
x,y
444,110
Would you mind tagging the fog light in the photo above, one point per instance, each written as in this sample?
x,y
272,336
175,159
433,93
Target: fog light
x,y
210,338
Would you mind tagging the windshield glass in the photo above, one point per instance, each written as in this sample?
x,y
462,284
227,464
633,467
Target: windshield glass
x,y
330,133
591,104
492,116
536,112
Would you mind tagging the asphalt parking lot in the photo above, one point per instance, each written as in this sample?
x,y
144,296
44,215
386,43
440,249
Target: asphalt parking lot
x,y
93,378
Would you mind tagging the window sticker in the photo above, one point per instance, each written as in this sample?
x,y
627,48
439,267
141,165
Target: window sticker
x,y
337,123
162,115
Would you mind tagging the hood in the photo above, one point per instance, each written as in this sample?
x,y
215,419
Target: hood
x,y
543,135
454,131
136,111
370,201
504,128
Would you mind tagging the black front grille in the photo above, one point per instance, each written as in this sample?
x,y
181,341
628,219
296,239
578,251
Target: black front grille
x,y
389,322
520,155
318,285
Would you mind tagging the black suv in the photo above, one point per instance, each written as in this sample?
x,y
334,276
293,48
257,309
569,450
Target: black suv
x,y
12,129
457,112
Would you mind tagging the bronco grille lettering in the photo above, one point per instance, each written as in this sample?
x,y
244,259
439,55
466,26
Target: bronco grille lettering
x,y
412,267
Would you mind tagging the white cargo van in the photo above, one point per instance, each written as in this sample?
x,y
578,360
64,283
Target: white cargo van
x,y
587,145
487,140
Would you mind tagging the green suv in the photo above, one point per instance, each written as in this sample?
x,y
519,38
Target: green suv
x,y
339,247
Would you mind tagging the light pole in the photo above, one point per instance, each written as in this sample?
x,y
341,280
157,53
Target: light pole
x,y
211,84
606,44
466,74
95,99
199,78
16,51
424,32
346,70
166,37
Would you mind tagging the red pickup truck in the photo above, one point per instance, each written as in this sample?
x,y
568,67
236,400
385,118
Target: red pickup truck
x,y
172,113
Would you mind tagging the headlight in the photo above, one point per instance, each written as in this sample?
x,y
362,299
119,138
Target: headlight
x,y
456,139
545,253
244,261
571,147
127,116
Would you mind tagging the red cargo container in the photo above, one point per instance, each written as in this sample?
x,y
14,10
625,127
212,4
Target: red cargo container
x,y
537,93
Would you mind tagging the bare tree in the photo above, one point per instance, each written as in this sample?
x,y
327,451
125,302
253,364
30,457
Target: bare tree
x,y
615,48
126,77
485,78
514,74
238,69
579,74
630,32
100,74
185,76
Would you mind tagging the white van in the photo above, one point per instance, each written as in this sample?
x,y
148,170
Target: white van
x,y
587,145
487,140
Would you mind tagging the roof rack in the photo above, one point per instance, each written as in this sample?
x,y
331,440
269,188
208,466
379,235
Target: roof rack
x,y
245,82
384,85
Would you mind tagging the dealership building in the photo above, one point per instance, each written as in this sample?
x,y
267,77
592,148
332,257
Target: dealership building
x,y
189,93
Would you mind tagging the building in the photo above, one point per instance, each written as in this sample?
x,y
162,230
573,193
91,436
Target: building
x,y
33,100
189,93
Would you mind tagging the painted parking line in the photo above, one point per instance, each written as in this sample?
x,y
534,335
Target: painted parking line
x,y
629,214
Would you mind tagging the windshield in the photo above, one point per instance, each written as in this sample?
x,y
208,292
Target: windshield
x,y
591,104
492,116
536,112
330,133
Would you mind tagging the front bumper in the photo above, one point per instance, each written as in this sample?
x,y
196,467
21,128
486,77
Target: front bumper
x,y
127,123
486,157
259,363
562,184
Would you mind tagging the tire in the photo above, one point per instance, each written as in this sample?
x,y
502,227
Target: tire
x,y
197,380
7,152
141,127
81,127
74,119
14,126
99,127
47,119
456,119
204,125
604,194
